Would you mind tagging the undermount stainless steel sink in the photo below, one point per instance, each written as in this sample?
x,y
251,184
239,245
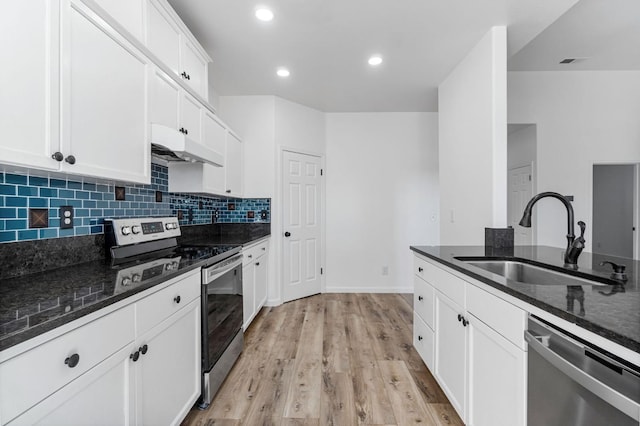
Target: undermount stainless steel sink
x,y
526,273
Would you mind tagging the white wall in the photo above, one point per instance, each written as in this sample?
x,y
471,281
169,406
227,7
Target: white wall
x,y
299,127
582,118
473,143
382,197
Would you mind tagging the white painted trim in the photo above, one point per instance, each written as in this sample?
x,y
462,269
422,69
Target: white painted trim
x,y
343,289
278,234
636,216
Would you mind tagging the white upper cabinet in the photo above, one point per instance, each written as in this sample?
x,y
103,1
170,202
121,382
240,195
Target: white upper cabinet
x,y
163,36
128,13
233,166
169,40
190,112
194,67
104,101
214,132
29,83
164,102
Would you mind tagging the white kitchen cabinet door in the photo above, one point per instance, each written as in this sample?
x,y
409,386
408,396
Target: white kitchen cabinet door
x,y
191,117
423,341
248,294
105,129
29,77
168,374
497,384
451,351
261,282
233,166
102,396
194,68
164,105
128,13
214,132
163,36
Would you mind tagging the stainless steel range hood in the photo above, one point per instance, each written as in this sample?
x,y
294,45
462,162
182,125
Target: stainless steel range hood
x,y
171,145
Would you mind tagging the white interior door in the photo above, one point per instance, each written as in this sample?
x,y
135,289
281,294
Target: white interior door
x,y
520,184
302,225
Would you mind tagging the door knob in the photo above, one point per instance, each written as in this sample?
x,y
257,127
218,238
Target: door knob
x,y
70,159
57,156
287,234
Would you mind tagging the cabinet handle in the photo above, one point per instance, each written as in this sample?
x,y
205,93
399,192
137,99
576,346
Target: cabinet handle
x,y
70,159
420,298
134,356
177,299
250,256
420,269
143,349
186,131
257,263
464,322
72,360
459,317
419,337
181,130
57,156
184,74
264,248
188,77
228,191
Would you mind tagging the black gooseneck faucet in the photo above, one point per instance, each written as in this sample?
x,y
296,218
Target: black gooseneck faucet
x,y
574,245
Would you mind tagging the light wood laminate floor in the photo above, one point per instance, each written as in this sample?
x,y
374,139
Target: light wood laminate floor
x,y
330,359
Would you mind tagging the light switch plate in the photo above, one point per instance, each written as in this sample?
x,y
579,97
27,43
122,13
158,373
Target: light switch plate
x,y
66,217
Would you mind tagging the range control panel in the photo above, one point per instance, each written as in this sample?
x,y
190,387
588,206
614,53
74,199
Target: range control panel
x,y
143,229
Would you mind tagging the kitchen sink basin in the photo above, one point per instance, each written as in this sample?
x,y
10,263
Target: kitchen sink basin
x,y
527,273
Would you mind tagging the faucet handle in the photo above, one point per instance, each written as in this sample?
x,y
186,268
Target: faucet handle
x,y
582,226
618,269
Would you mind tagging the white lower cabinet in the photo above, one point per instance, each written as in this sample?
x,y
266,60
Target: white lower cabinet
x,y
168,369
496,378
451,351
481,368
134,365
102,396
254,280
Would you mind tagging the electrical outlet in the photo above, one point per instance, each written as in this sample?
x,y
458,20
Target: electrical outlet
x,y
385,270
66,217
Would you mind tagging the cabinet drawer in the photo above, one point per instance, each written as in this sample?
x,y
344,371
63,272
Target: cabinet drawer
x,y
254,252
505,318
423,300
159,306
450,285
32,376
423,338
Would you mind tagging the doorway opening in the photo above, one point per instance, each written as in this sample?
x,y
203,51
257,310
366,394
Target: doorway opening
x,y
616,213
521,178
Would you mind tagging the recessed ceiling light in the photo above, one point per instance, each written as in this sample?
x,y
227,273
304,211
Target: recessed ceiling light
x,y
374,61
283,72
264,14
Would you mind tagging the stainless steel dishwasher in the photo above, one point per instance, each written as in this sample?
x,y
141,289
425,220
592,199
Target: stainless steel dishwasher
x,y
571,383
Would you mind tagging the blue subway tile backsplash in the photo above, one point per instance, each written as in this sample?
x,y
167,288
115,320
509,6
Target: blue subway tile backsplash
x,y
95,202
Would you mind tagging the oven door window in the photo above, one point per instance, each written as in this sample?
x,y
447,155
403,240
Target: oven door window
x,y
223,306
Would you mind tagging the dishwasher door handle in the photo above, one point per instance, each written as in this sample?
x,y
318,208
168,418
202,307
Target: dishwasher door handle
x,y
602,391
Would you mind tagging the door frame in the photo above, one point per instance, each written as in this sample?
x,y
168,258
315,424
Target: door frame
x,y
534,181
278,228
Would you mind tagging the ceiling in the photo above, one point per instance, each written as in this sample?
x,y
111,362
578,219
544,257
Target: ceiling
x,y
604,34
326,44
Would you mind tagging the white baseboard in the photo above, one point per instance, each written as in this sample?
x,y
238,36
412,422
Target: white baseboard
x,y
273,302
339,289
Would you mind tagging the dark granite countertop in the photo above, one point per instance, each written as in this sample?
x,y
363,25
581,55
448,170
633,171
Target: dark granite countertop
x,y
32,304
611,311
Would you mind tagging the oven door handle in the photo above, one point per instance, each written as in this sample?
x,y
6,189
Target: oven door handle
x,y
214,272
604,392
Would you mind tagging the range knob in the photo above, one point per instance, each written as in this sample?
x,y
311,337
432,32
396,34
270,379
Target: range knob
x,y
126,281
135,229
126,230
168,226
136,278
